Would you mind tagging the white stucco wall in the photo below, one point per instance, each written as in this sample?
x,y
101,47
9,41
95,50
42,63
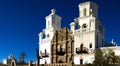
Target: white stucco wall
x,y
87,58
45,45
53,22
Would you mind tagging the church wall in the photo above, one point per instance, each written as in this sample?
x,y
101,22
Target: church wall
x,y
46,36
45,45
87,58
86,39
89,35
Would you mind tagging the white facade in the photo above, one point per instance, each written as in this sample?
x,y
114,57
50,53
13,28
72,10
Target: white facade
x,y
89,33
87,30
53,22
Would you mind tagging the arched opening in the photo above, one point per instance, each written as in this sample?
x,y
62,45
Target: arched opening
x,y
45,61
84,26
77,26
81,61
13,64
90,45
45,51
84,12
43,36
60,61
48,35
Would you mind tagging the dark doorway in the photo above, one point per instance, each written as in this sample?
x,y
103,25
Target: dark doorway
x,y
81,61
13,64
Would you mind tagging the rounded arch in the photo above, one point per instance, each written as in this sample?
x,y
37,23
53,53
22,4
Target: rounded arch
x,y
13,62
77,26
60,61
90,46
84,12
84,25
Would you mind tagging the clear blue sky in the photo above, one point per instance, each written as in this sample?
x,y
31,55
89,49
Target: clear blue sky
x,y
22,20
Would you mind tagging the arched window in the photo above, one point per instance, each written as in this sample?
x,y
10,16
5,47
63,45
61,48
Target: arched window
x,y
43,36
13,64
77,26
45,51
84,26
48,23
90,45
60,61
48,35
84,12
81,61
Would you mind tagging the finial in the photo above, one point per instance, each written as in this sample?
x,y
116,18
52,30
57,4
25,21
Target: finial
x,y
53,11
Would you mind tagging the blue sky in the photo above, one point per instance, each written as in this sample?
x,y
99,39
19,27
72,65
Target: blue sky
x,y
22,20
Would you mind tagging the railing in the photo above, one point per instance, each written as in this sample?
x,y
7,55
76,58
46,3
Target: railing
x,y
44,55
80,50
82,30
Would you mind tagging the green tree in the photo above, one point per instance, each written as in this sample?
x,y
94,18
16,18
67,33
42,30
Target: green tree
x,y
105,57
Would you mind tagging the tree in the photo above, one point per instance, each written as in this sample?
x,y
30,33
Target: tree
x,y
22,57
105,57
98,57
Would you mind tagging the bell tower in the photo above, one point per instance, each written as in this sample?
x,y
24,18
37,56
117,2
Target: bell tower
x,y
87,9
90,32
53,22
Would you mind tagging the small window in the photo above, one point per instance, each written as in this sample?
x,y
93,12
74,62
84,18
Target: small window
x,y
45,61
84,12
81,61
81,47
84,26
48,35
79,27
40,52
90,45
45,51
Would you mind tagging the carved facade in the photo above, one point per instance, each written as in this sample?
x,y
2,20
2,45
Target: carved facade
x,y
61,47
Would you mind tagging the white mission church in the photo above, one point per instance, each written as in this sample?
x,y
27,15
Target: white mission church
x,y
88,36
